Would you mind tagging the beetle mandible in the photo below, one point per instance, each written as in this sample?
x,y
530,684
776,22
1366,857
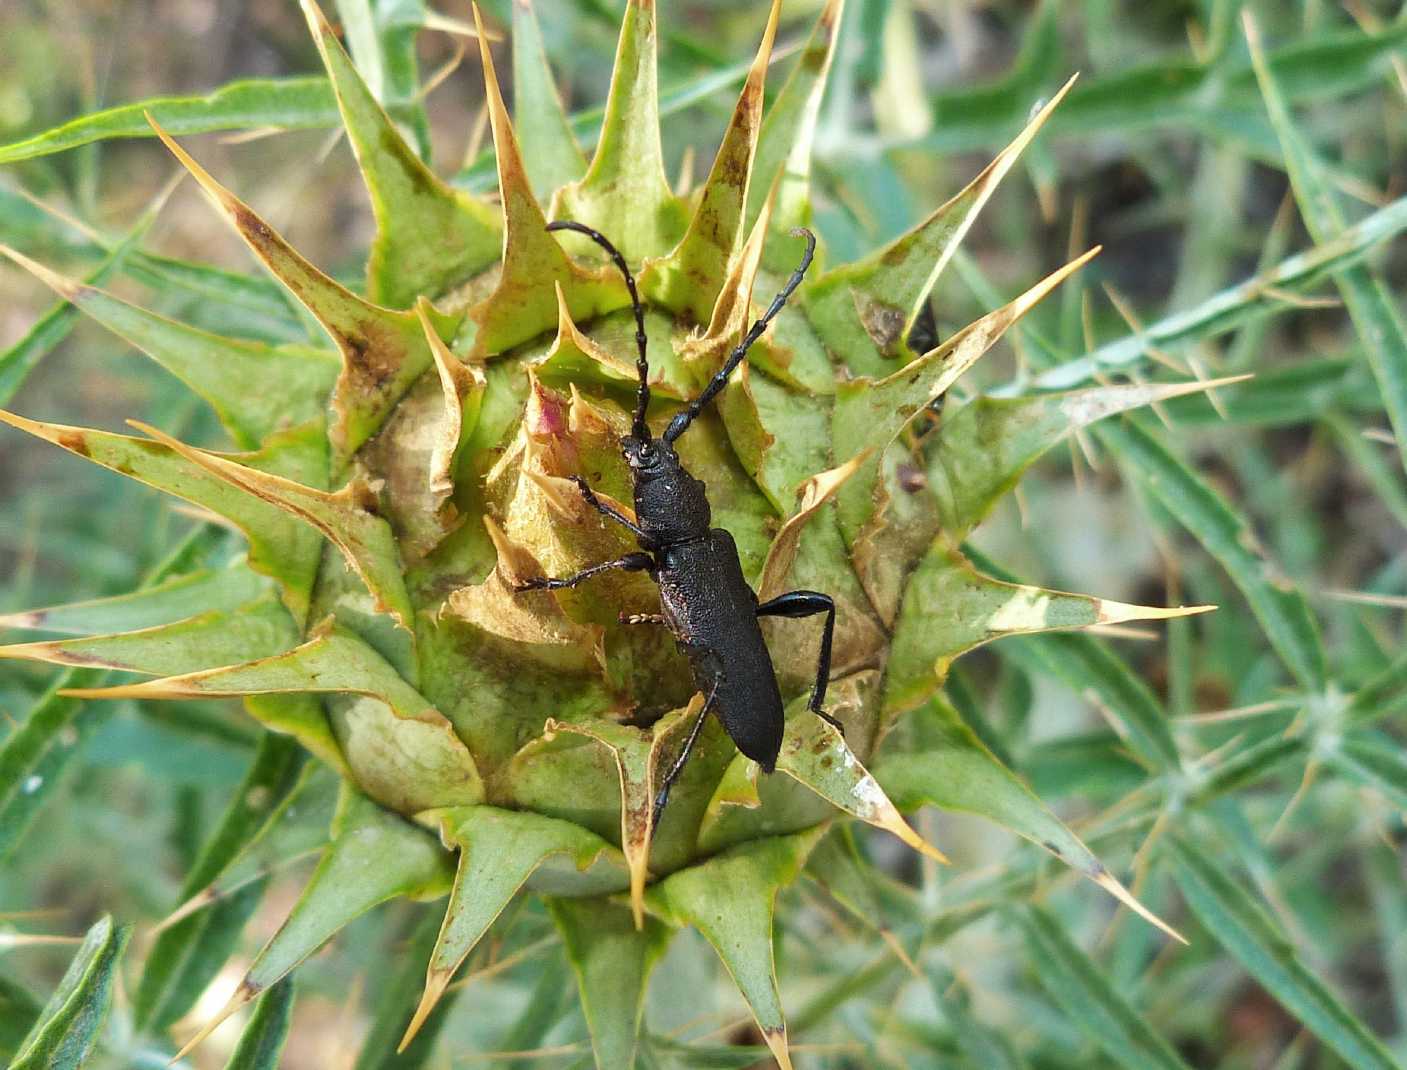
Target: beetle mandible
x,y
706,602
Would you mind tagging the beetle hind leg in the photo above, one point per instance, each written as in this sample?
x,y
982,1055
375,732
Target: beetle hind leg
x,y
796,604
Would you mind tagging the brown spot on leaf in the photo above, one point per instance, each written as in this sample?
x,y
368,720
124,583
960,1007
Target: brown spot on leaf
x,y
250,225
884,323
77,657
911,478
814,59
75,442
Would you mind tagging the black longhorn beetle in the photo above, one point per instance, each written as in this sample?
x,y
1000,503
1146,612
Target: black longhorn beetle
x,y
707,603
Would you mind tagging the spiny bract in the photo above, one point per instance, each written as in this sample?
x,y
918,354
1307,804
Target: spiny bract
x,y
393,488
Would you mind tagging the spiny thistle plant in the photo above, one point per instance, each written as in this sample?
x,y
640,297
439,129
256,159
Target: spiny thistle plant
x,y
395,486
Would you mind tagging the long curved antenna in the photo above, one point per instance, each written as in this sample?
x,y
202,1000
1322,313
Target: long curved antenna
x,y
682,420
638,428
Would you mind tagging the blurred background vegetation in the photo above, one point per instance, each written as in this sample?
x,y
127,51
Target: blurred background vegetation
x,y
1282,500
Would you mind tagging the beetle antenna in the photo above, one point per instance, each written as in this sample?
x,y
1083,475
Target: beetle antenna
x,y
638,428
681,421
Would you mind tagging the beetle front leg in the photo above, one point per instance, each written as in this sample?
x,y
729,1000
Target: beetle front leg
x,y
589,496
795,604
630,563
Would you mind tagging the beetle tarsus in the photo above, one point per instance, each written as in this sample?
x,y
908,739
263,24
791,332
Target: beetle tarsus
x,y
832,721
642,618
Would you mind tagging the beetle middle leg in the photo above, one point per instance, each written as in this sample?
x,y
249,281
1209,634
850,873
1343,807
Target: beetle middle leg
x,y
638,562
662,796
795,604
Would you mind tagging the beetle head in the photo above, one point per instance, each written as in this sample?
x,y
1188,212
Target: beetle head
x,y
647,456
670,504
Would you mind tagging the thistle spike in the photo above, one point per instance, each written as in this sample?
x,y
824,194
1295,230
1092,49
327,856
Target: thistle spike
x,y
428,762
207,640
574,356
624,192
954,770
731,312
979,609
524,303
242,995
814,493
429,236
691,277
784,147
814,753
383,351
462,386
985,446
255,389
550,150
280,546
872,412
365,539
499,850
865,311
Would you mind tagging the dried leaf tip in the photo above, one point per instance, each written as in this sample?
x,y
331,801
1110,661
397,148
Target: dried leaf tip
x,y
65,287
693,274
436,982
242,995
1110,884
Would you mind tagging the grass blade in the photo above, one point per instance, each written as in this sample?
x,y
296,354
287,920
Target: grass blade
x,y
68,1027
1089,998
187,955
1235,305
1371,307
1228,537
1376,762
285,103
261,1043
1239,924
35,754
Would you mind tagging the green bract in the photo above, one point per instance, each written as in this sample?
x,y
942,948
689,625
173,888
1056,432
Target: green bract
x,y
393,483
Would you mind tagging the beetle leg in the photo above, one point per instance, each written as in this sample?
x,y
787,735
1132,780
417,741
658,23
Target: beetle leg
x,y
662,796
807,604
643,618
589,496
630,563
